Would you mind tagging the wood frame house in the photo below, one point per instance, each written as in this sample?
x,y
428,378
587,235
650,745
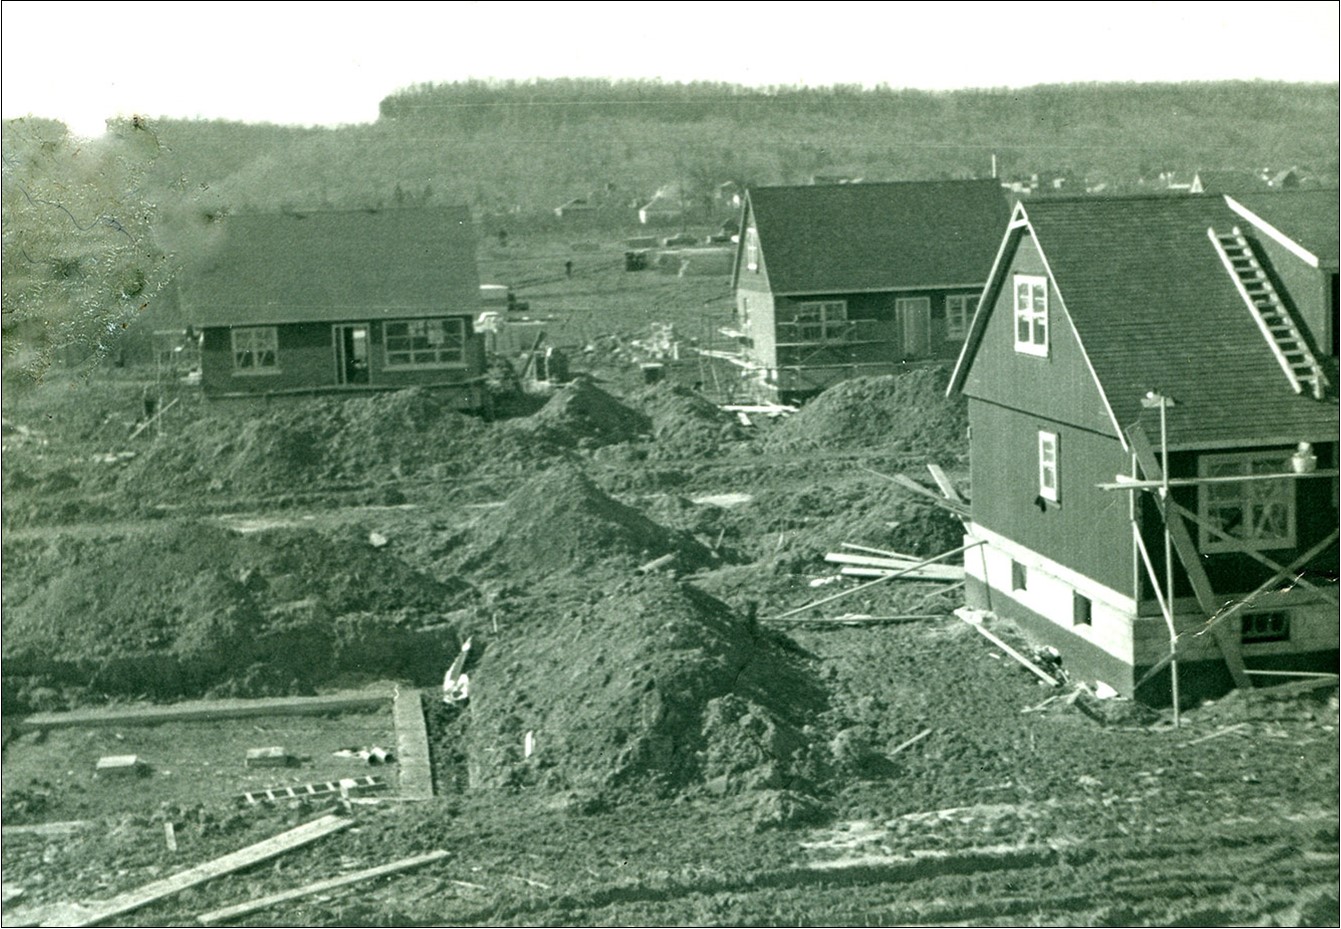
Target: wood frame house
x,y
837,281
1121,343
339,301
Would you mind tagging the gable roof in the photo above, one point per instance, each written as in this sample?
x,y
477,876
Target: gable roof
x,y
873,237
1307,217
1221,182
1154,308
335,265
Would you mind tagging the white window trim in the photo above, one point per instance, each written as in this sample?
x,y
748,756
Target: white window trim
x,y
272,333
967,305
1030,347
390,365
1271,462
1046,441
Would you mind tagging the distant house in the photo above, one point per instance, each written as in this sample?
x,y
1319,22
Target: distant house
x,y
575,209
729,193
662,210
1106,325
836,281
339,300
1226,182
1285,180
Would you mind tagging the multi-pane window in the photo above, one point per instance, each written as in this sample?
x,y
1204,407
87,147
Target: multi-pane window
x,y
1048,480
959,310
1256,628
820,321
256,350
751,250
1255,514
425,343
1031,314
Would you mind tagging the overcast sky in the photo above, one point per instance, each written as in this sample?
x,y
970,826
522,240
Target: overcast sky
x,y
309,64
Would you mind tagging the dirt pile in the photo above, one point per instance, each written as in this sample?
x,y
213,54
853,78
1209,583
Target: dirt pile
x,y
685,423
583,415
904,413
560,522
188,607
643,681
329,443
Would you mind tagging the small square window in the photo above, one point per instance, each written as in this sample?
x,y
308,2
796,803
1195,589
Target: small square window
x,y
1019,576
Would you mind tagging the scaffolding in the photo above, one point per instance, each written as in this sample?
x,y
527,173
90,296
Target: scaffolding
x,y
1150,474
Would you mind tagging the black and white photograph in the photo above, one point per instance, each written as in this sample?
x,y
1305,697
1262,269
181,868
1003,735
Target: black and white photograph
x,y
539,464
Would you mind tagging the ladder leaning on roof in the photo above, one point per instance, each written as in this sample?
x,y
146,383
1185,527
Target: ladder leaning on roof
x,y
1281,331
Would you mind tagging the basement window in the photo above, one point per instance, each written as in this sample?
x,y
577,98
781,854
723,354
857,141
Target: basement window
x,y
1082,610
1031,315
426,343
1255,514
1019,576
1256,628
256,350
959,311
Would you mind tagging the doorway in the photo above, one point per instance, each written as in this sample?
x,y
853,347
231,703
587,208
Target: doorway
x,y
351,353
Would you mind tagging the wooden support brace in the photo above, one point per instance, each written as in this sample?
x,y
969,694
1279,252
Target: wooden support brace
x,y
1190,557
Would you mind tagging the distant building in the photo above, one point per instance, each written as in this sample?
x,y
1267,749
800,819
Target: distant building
x,y
836,281
575,208
1226,182
1099,315
662,209
1285,180
339,301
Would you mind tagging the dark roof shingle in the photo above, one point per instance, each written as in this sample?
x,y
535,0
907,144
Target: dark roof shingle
x,y
1156,309
335,265
872,237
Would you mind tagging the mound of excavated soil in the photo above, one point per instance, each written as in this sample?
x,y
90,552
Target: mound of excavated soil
x,y
190,606
685,423
560,521
584,415
327,441
641,681
903,413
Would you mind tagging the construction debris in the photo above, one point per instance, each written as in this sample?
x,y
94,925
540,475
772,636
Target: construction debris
x,y
372,755
120,766
975,617
252,906
78,914
274,756
911,742
456,684
317,790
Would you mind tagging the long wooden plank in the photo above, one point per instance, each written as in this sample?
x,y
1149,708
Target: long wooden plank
x,y
943,482
95,913
878,580
952,572
228,913
996,640
1190,557
921,574
416,772
206,710
911,485
882,552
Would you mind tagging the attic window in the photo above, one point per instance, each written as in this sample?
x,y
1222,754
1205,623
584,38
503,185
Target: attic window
x,y
751,250
256,350
1031,315
959,310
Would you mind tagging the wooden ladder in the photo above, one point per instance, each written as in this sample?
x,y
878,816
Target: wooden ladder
x,y
1281,331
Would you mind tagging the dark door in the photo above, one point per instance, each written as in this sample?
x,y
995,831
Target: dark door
x,y
351,354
